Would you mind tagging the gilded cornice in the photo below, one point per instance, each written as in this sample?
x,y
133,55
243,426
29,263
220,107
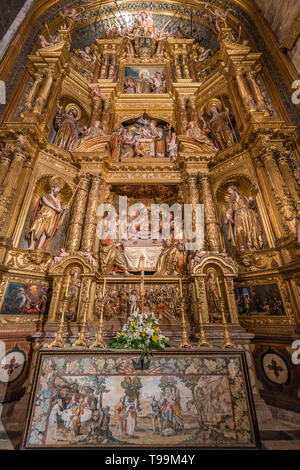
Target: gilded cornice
x,y
248,8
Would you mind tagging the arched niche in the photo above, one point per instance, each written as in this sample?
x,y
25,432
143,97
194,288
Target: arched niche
x,y
72,279
68,101
41,188
247,188
224,271
222,102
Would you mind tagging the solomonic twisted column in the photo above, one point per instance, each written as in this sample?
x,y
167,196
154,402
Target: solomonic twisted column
x,y
77,217
9,187
212,229
279,190
4,166
90,222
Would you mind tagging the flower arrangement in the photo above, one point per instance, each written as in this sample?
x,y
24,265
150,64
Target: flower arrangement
x,y
140,332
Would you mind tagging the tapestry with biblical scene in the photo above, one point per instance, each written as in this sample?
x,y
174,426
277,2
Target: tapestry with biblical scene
x,y
102,399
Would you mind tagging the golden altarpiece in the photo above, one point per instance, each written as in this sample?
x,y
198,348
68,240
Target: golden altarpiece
x,y
148,113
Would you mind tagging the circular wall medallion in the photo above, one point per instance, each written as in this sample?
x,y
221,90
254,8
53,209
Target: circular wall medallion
x,y
12,365
275,368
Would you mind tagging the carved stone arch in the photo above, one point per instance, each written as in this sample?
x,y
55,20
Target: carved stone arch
x,y
76,260
68,96
227,267
241,180
41,186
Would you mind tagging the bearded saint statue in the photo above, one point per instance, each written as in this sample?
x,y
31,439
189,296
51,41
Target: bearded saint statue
x,y
245,232
48,216
67,134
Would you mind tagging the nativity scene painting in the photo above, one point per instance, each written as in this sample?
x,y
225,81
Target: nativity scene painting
x,y
144,138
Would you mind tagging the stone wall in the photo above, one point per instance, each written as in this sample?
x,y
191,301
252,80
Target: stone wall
x,y
281,16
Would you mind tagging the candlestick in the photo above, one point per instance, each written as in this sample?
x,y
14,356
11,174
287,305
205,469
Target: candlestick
x,y
99,342
219,290
197,288
104,287
227,339
184,336
81,340
180,287
202,336
68,283
58,341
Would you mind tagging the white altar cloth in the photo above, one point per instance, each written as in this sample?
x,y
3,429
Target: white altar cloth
x,y
133,256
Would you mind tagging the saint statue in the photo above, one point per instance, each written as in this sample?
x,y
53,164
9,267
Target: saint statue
x,y
67,134
47,217
72,294
112,258
196,133
93,131
219,127
172,259
116,144
245,232
213,297
111,253
172,147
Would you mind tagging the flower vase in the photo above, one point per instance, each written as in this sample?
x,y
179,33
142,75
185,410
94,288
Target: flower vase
x,y
142,363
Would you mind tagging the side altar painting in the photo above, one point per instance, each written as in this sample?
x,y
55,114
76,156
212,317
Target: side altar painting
x,y
25,299
101,400
261,300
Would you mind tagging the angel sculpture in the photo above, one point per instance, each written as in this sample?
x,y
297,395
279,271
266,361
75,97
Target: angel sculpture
x,y
48,215
85,54
217,19
70,16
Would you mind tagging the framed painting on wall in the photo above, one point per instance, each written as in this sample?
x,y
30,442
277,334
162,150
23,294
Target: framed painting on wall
x,y
25,299
261,300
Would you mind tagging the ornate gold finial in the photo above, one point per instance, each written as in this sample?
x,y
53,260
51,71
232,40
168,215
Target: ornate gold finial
x,y
58,341
99,341
81,340
184,336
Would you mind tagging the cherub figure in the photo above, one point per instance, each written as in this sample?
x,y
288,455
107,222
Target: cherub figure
x,y
217,19
62,253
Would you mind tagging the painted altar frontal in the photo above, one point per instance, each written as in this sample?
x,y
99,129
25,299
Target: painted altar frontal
x,y
100,399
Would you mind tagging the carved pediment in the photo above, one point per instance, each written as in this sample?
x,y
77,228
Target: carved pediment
x,y
93,144
190,147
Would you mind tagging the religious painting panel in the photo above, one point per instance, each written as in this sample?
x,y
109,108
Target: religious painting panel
x,y
25,299
144,138
103,400
260,300
163,300
145,79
